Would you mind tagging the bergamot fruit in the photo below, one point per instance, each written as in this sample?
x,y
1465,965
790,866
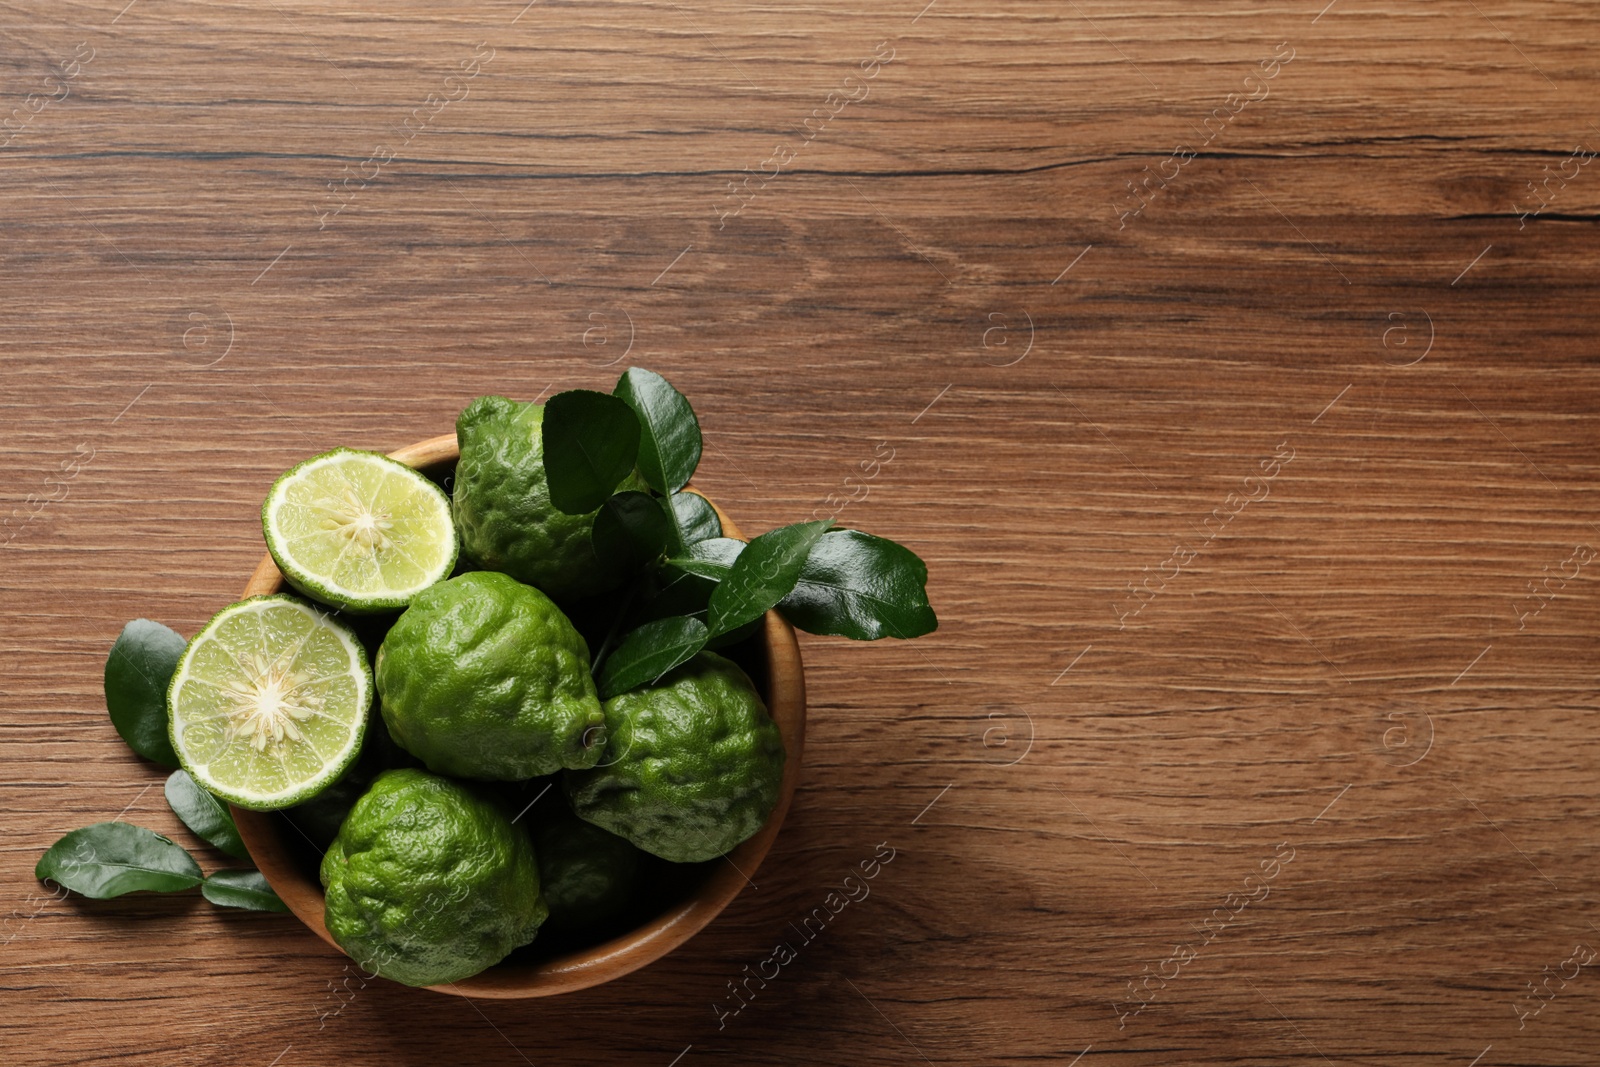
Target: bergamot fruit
x,y
692,765
269,702
358,530
484,677
587,874
503,513
428,883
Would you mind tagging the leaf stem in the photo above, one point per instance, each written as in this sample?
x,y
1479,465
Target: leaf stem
x,y
611,635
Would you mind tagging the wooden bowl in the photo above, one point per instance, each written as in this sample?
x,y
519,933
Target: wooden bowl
x,y
276,856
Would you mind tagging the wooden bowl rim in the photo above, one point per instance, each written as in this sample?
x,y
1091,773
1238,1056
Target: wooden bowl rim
x,y
593,966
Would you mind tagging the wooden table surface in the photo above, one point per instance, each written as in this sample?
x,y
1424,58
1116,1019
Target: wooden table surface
x,y
1233,369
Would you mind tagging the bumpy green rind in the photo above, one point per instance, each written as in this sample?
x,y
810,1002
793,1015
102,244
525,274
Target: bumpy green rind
x,y
503,515
428,883
484,677
693,764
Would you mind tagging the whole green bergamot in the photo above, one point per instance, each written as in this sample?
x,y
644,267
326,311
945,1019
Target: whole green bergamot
x,y
692,765
503,513
428,883
588,875
484,677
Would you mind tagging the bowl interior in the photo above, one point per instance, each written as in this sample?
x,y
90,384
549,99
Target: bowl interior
x,y
682,898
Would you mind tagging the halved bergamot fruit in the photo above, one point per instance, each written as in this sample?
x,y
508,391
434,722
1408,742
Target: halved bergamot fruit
x,y
358,530
269,702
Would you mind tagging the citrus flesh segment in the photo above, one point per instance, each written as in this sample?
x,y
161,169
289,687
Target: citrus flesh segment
x,y
359,530
269,702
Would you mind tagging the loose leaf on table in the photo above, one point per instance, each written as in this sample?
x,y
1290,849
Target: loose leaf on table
x,y
631,530
240,888
669,448
591,441
204,814
764,574
694,520
651,651
863,587
712,558
109,859
137,673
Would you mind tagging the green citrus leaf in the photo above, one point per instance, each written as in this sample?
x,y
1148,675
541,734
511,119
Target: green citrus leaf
x,y
863,587
631,530
669,449
764,574
109,859
203,813
651,651
694,520
712,558
240,888
591,441
137,672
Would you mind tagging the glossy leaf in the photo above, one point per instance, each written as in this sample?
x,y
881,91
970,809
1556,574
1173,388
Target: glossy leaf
x,y
631,530
669,447
863,587
712,558
591,441
137,673
765,572
203,813
109,859
694,520
651,651
240,888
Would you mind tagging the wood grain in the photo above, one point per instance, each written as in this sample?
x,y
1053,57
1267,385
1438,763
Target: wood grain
x,y
1343,661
